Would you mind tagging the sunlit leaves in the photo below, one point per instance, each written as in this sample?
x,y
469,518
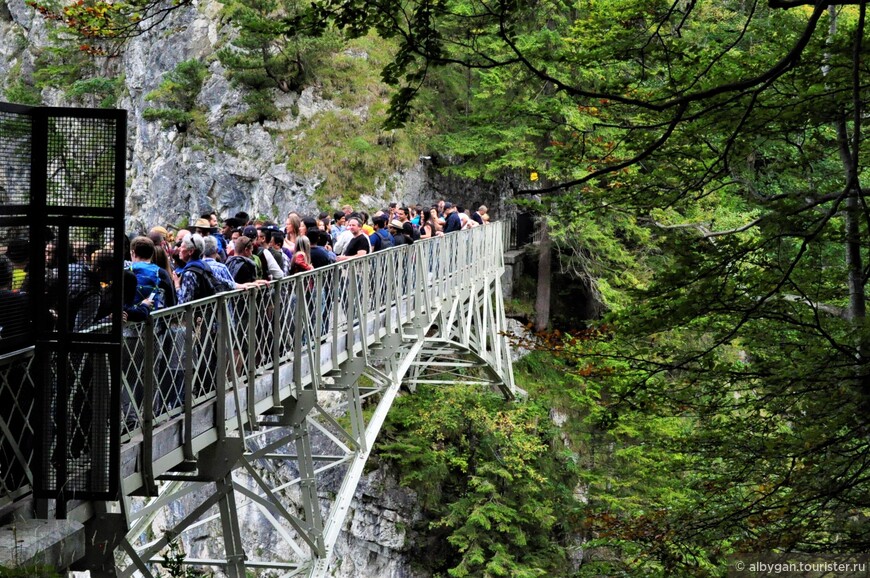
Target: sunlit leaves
x,y
503,494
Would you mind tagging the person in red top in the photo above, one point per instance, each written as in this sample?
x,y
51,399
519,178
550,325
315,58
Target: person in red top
x,y
302,256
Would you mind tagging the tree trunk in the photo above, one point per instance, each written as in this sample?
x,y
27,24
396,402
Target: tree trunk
x,y
545,261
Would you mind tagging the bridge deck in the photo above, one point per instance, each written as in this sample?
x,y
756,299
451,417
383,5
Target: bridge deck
x,y
196,377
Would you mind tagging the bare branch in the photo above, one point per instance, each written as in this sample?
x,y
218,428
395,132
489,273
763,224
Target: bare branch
x,y
833,310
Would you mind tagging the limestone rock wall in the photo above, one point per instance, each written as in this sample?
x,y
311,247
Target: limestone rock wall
x,y
175,176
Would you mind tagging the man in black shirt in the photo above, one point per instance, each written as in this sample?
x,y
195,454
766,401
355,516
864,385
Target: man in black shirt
x,y
453,222
359,245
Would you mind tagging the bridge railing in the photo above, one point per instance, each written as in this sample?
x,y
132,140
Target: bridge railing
x,y
17,413
188,356
201,353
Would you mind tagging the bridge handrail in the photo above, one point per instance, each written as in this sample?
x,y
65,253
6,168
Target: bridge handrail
x,y
193,355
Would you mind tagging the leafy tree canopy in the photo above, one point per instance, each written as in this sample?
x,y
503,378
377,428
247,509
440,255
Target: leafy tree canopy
x,y
709,159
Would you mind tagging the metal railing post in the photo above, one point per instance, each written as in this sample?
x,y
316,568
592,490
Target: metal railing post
x,y
147,455
220,414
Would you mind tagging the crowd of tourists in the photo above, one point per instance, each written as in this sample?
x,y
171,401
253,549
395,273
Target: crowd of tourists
x,y
240,252
169,266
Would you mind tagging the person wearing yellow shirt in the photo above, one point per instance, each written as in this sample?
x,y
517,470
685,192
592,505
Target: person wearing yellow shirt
x,y
18,252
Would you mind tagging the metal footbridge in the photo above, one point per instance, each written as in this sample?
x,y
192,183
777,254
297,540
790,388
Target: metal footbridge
x,y
262,404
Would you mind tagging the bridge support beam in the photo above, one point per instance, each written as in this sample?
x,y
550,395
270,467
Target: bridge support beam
x,y
308,416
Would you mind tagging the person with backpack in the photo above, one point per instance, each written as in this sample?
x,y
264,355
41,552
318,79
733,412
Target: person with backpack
x,y
242,265
381,238
400,235
152,281
196,279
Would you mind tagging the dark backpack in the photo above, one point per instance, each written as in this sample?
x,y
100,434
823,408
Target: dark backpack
x,y
386,239
243,270
206,285
262,270
147,282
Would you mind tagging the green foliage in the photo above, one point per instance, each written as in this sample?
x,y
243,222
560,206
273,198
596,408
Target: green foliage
x,y
350,154
103,92
272,52
63,64
705,164
178,93
102,27
175,566
20,92
19,89
495,488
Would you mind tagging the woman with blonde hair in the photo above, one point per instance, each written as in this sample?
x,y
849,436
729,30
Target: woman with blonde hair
x,y
302,256
292,227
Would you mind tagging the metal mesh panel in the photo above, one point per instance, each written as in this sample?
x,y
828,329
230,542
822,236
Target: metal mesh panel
x,y
15,153
265,334
133,367
287,311
81,162
78,202
80,420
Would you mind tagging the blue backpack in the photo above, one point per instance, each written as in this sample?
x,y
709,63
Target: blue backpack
x,y
386,239
147,282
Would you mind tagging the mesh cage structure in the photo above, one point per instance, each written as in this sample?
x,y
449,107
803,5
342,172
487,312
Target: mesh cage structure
x,y
62,183
17,391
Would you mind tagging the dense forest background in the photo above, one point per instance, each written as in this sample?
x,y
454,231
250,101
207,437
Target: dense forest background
x,y
698,166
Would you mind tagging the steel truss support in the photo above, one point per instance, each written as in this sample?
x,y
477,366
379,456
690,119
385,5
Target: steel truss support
x,y
296,464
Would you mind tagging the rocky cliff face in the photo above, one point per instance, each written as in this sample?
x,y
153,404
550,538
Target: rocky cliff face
x,y
377,538
174,176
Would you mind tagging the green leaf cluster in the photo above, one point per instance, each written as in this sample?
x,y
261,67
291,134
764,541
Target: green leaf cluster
x,y
178,93
271,51
496,488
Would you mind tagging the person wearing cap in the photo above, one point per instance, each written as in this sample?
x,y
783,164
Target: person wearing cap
x,y
206,225
453,222
202,226
398,232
